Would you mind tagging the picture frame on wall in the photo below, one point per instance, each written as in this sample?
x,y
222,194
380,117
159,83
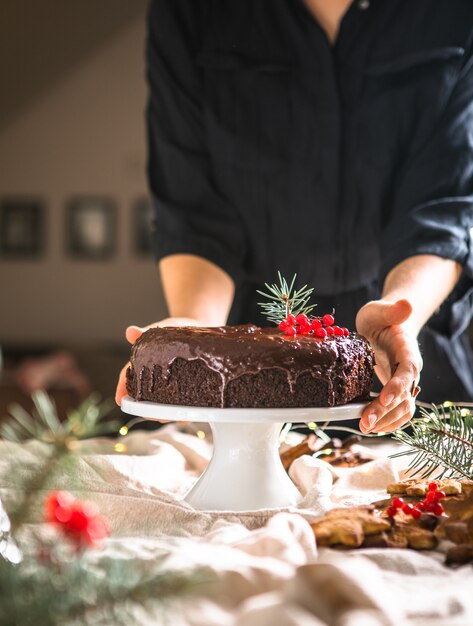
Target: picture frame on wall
x,y
22,228
91,225
143,226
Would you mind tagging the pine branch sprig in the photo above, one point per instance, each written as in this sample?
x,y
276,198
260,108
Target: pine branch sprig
x,y
440,441
284,299
44,579
79,591
61,438
44,424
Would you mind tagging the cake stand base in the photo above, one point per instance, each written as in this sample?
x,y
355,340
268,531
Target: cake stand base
x,y
245,472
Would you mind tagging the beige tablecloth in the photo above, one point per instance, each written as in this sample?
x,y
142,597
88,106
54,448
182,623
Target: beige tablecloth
x,y
264,566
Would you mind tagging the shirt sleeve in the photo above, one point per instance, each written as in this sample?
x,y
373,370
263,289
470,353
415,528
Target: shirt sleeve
x,y
192,215
432,211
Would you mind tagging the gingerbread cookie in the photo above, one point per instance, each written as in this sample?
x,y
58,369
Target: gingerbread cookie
x,y
349,527
460,555
457,526
403,536
419,487
309,445
336,452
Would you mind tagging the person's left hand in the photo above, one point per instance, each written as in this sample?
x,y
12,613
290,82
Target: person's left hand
x,y
398,363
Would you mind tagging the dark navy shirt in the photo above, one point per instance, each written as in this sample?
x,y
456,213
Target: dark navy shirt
x,y
271,149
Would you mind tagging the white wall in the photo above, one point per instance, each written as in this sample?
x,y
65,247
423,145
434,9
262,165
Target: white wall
x,y
86,135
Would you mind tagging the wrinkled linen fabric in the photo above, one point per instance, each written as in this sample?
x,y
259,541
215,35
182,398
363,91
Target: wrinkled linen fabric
x,y
263,567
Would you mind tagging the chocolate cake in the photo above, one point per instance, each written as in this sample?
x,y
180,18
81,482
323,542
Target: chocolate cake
x,y
247,366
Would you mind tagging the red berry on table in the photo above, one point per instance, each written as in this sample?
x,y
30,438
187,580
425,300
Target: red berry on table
x,y
391,511
416,513
97,529
85,526
283,325
290,331
431,497
62,515
407,509
440,495
432,486
345,331
302,319
329,330
290,319
437,508
78,521
54,501
316,323
320,332
420,506
337,331
397,502
328,319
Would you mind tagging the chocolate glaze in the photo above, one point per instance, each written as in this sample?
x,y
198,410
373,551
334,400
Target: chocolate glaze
x,y
236,350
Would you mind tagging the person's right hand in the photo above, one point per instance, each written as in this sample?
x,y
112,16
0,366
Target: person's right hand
x,y
133,333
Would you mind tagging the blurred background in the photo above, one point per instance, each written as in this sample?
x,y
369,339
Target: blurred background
x,y
75,266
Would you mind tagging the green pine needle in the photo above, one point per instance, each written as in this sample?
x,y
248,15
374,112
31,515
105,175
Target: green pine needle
x,y
283,299
45,426
64,589
83,422
440,441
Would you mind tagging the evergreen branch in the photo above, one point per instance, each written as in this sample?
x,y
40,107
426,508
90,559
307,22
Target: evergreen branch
x,y
48,584
72,592
283,299
440,440
45,426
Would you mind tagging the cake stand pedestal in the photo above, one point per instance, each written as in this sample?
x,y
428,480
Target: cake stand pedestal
x,y
245,472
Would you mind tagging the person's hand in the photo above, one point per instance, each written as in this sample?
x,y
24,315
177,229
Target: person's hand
x,y
398,363
133,333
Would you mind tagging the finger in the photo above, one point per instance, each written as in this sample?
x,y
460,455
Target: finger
x,y
378,314
401,413
398,424
133,333
392,313
405,377
375,411
370,415
121,391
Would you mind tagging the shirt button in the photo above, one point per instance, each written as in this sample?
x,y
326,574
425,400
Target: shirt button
x,y
363,4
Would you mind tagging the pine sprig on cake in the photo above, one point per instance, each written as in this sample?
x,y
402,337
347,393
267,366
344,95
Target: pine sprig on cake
x,y
290,309
442,440
285,300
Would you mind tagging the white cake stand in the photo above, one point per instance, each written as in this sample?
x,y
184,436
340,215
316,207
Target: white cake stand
x,y
245,472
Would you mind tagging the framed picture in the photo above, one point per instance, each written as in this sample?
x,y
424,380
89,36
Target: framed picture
x,y
143,226
21,228
91,224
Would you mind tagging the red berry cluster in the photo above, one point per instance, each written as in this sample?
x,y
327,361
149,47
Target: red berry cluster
x,y
78,519
318,326
430,504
